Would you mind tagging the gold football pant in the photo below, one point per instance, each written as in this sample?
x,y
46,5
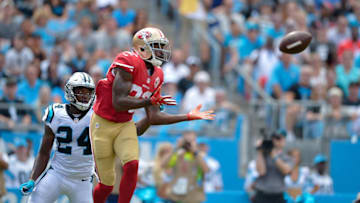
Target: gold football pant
x,y
110,139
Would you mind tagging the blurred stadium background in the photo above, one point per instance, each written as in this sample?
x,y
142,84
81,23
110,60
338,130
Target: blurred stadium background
x,y
224,56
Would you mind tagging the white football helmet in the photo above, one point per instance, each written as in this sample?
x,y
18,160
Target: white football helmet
x,y
79,79
152,46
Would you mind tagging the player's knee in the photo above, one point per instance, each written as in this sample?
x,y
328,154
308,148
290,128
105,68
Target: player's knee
x,y
129,158
131,166
107,177
108,180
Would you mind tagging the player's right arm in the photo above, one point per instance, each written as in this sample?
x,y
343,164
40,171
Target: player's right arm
x,y
44,153
41,160
121,88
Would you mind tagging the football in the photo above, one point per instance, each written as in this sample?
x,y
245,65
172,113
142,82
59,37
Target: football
x,y
295,42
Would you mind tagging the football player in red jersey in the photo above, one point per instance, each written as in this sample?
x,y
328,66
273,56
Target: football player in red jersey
x,y
133,81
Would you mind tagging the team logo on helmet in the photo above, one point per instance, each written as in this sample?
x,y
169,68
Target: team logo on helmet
x,y
145,34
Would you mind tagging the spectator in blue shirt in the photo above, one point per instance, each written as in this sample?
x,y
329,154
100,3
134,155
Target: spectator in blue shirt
x,y
250,42
320,182
12,115
299,91
302,89
79,61
234,34
346,72
277,30
124,16
284,75
30,87
57,6
40,19
231,39
60,27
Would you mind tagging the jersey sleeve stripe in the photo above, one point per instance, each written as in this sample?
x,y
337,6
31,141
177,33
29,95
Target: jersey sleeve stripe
x,y
124,65
50,115
47,114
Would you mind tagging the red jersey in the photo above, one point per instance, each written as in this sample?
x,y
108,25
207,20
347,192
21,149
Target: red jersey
x,y
143,85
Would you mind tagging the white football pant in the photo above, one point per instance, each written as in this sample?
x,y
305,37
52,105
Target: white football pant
x,y
53,185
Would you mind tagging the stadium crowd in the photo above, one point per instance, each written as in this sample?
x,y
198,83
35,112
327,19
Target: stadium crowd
x,y
42,42
324,78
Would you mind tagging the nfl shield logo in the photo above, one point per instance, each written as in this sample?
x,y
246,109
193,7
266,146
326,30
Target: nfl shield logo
x,y
148,80
157,81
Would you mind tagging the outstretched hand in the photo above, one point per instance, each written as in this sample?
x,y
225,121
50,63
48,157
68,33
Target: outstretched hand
x,y
196,114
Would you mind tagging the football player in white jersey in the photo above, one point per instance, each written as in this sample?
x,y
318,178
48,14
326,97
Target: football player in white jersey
x,y
72,166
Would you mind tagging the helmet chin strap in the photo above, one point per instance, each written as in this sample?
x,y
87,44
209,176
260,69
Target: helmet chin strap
x,y
82,106
79,107
154,61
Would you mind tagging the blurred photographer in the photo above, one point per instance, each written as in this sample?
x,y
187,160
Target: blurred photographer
x,y
272,164
188,170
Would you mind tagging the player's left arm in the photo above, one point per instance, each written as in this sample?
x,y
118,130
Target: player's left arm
x,y
142,126
3,164
156,117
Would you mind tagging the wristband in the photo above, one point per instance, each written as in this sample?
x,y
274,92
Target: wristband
x,y
189,118
148,102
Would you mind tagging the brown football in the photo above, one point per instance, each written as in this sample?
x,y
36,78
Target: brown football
x,y
295,42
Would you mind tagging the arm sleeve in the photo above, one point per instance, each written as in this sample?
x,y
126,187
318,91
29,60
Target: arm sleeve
x,y
48,116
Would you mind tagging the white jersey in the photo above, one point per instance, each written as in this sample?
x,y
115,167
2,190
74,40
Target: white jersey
x,y
18,172
73,156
